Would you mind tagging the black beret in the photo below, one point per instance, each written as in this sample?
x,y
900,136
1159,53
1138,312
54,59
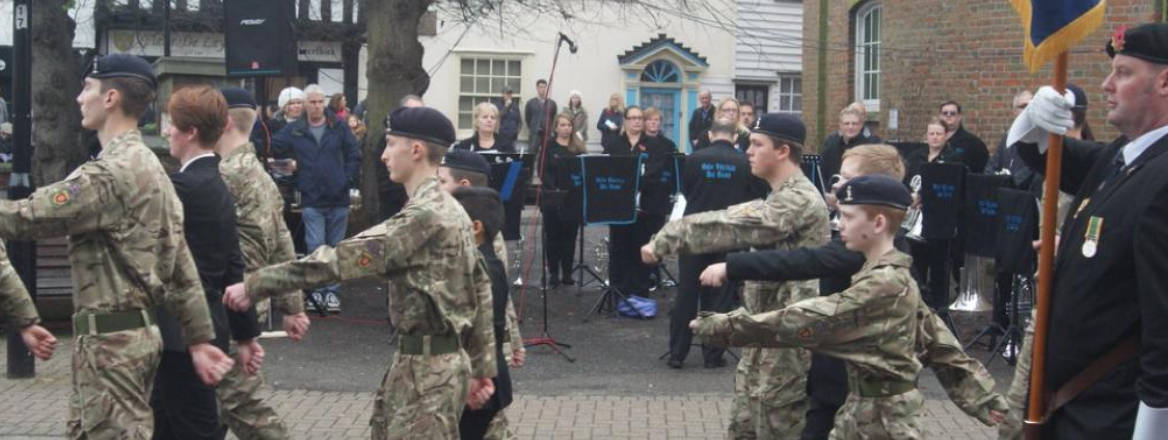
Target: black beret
x,y
238,98
423,123
782,126
874,189
1148,42
123,65
466,160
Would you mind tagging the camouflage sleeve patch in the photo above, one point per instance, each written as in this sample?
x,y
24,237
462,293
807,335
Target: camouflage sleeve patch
x,y
85,201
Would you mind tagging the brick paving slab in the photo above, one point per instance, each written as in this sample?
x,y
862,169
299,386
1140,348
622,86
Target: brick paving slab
x,y
35,409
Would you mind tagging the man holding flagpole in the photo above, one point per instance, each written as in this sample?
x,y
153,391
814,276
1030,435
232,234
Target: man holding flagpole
x,y
1106,369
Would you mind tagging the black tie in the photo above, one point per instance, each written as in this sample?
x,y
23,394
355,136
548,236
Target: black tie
x,y
1117,167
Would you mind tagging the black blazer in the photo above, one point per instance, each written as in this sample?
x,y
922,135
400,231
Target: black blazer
x,y
1119,292
209,227
719,176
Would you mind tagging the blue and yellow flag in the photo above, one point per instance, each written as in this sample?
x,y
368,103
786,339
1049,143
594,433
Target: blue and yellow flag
x,y
1053,26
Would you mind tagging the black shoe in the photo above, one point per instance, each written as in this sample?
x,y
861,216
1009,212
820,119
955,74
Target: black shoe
x,y
568,281
553,283
674,363
715,363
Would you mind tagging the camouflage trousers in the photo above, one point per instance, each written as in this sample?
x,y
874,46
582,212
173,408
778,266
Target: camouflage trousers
x,y
113,374
421,397
242,409
498,429
876,418
770,393
1011,428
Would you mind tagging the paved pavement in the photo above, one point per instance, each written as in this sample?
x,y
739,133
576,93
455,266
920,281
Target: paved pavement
x,y
36,408
616,389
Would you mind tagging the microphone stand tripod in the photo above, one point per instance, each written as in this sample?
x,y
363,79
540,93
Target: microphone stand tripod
x,y
545,338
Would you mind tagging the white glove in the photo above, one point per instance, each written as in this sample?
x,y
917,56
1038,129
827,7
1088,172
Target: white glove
x,y
1047,113
1151,423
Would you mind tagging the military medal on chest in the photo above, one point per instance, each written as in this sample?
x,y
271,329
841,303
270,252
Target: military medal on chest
x,y
1091,237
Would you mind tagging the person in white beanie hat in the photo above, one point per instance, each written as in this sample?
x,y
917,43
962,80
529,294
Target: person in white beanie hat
x,y
291,102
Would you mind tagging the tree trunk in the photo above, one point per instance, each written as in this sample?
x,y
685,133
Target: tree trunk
x,y
394,69
56,82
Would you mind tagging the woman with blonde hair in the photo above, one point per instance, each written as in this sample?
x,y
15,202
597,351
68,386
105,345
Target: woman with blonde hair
x,y
485,138
611,121
728,109
575,109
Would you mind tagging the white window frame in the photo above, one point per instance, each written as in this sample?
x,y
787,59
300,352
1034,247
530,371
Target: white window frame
x,y
512,75
794,95
864,72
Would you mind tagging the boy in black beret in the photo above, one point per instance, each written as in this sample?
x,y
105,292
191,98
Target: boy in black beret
x,y
439,291
872,325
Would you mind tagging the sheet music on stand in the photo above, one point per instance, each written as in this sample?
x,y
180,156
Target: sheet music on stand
x,y
510,176
609,188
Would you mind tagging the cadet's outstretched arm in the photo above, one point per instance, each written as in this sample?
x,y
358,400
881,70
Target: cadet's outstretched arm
x,y
364,255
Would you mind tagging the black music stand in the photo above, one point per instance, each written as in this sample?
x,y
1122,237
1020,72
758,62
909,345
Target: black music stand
x,y
940,205
980,225
1017,227
608,190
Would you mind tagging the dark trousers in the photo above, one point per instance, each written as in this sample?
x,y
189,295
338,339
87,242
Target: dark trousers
x,y
647,225
827,387
184,407
691,297
559,243
625,270
931,260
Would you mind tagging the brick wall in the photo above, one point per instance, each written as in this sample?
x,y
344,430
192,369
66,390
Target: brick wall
x,y
936,50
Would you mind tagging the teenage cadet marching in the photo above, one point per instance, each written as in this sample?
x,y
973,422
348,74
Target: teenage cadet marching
x,y
872,325
439,289
127,254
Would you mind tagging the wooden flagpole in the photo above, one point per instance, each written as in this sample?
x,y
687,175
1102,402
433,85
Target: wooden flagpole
x,y
1032,429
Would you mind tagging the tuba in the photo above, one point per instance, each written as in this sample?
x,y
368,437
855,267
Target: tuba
x,y
973,283
914,218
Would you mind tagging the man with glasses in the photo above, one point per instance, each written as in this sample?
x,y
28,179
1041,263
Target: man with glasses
x,y
971,150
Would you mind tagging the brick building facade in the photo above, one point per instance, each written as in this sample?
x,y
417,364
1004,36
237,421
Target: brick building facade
x,y
930,51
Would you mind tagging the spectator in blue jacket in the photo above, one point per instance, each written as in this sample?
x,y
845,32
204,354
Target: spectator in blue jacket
x,y
328,160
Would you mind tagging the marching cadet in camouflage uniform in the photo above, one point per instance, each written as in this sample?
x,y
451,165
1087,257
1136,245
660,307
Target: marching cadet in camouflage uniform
x,y
17,311
263,239
128,255
461,168
439,290
873,325
769,383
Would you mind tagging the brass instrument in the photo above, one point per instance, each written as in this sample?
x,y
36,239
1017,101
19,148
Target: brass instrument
x,y
973,283
832,186
914,219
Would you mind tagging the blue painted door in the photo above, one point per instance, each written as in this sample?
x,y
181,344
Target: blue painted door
x,y
666,100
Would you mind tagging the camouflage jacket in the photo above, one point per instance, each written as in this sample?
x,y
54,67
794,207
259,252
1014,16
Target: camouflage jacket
x,y
872,325
964,379
427,254
793,216
125,228
16,307
259,215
